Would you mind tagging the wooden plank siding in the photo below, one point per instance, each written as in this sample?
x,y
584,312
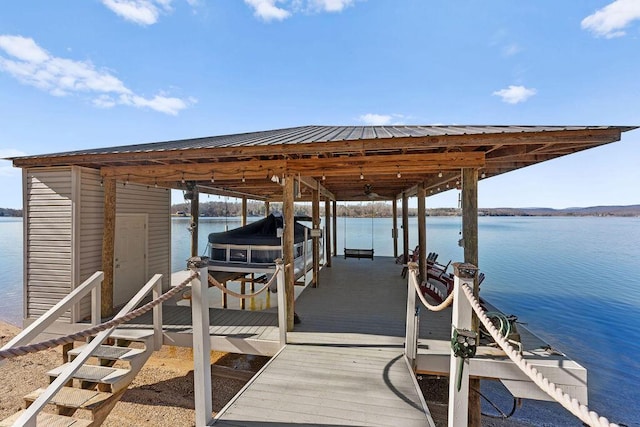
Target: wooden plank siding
x,y
48,230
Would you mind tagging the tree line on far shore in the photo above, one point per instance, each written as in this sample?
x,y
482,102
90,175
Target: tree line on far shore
x,y
378,210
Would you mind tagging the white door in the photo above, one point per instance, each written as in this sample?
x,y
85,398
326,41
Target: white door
x,y
130,263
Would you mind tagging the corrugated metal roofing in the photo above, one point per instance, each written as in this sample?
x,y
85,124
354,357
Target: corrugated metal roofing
x,y
314,134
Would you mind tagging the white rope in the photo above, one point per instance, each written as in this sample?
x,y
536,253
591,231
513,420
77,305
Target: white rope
x,y
444,304
224,289
571,404
54,342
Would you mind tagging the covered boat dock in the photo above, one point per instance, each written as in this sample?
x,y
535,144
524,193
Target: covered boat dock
x,y
108,209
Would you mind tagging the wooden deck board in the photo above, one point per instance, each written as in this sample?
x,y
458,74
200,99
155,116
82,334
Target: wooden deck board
x,y
368,386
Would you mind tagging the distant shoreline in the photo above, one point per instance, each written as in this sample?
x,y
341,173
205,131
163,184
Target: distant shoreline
x,y
383,210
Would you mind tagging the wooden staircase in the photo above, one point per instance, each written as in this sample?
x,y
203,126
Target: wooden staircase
x,y
90,395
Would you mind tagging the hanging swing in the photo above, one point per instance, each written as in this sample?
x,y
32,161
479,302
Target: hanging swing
x,y
358,253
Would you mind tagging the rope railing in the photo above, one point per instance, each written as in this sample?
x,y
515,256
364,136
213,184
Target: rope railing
x,y
54,342
224,289
414,280
571,404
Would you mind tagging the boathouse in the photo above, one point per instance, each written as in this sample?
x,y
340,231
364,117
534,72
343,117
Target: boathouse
x,y
108,209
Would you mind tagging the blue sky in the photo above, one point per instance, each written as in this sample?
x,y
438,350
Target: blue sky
x,y
94,73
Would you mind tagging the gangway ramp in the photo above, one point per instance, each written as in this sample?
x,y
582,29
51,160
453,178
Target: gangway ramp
x,y
339,385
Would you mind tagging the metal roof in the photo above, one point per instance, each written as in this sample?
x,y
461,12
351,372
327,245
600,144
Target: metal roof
x,y
314,134
348,162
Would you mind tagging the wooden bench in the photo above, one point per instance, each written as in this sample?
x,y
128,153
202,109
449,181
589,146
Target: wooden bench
x,y
358,253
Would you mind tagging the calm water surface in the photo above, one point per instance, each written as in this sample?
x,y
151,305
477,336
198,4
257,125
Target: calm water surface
x,y
575,282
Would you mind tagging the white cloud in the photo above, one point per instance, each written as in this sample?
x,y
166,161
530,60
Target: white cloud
x,y
330,5
142,12
511,49
610,21
375,119
515,94
267,10
34,66
372,119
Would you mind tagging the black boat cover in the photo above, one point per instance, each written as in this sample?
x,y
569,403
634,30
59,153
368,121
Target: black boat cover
x,y
262,232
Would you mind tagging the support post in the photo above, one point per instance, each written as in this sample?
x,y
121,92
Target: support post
x,y
287,247
201,343
335,228
422,231
244,211
315,213
461,318
470,244
267,209
394,231
405,227
410,343
108,245
195,219
157,317
282,303
327,235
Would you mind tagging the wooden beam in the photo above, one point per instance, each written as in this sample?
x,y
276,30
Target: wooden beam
x,y
230,193
313,183
287,246
108,245
470,238
267,209
405,227
422,232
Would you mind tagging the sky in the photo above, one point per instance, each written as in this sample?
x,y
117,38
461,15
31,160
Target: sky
x,y
79,74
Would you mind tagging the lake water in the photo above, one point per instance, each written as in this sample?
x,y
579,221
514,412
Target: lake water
x,y
575,282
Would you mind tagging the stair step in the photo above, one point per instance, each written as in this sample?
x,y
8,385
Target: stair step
x,y
95,374
141,335
70,397
109,352
49,420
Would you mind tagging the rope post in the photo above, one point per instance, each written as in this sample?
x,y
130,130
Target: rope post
x,y
410,343
282,303
157,317
459,372
201,341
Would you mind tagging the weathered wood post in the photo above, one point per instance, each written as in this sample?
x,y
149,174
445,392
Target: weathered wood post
x,y
422,231
405,227
201,342
108,245
335,228
315,214
244,211
327,234
287,247
470,244
195,218
460,319
394,231
267,208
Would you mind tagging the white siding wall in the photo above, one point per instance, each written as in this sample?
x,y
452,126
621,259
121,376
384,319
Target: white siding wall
x,y
48,232
90,219
64,215
156,202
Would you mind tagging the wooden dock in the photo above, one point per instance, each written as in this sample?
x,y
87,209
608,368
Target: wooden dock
x,y
344,363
